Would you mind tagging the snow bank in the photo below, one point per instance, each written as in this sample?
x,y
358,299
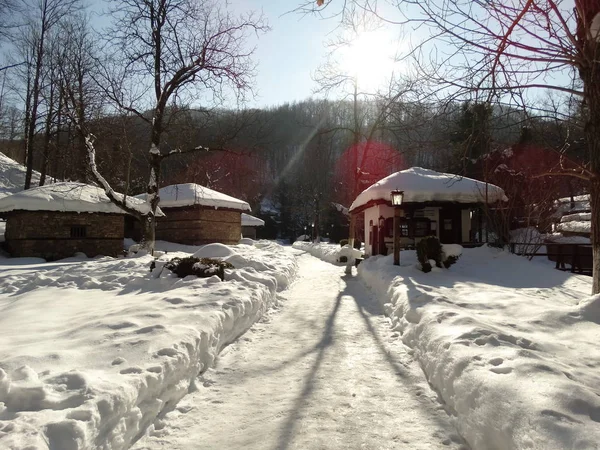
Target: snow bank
x,y
12,176
509,344
424,185
93,351
329,252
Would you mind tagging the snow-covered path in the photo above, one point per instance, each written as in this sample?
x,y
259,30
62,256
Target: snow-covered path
x,y
325,372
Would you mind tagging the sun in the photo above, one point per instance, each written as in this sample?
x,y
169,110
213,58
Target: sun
x,y
371,58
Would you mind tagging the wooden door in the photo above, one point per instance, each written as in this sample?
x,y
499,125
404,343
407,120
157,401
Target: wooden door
x,y
450,226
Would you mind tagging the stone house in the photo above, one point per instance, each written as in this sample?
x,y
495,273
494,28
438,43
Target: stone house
x,y
58,220
250,224
196,215
443,205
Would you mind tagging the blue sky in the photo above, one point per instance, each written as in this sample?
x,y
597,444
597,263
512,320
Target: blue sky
x,y
289,53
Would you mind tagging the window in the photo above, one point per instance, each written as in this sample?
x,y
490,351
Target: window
x,y
404,228
421,227
389,227
78,231
448,224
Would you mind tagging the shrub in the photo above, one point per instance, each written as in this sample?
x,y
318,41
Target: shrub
x,y
450,260
429,248
200,267
357,244
343,242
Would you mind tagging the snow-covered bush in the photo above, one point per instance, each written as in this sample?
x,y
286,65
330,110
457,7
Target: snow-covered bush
x,y
430,250
450,254
200,267
343,242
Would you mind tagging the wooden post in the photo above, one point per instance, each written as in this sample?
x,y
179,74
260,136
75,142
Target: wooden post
x,y
352,230
397,216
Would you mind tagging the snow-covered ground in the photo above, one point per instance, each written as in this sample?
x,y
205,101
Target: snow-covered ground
x,y
511,345
329,252
93,350
325,372
12,176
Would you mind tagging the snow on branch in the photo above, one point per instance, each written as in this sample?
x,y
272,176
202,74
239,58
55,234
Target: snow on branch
x,y
128,205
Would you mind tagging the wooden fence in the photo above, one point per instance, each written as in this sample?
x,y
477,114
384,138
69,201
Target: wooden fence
x,y
577,256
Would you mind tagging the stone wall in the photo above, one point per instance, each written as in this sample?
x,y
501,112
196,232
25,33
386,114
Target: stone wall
x,y
47,234
198,226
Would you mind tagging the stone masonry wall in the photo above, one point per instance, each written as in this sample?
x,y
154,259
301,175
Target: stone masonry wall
x,y
47,234
198,226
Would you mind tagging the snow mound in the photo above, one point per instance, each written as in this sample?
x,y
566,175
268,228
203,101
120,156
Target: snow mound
x,y
329,252
452,250
116,348
215,250
246,241
12,176
503,341
423,185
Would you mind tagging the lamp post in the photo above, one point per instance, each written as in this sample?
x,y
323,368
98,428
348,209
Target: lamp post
x,y
397,199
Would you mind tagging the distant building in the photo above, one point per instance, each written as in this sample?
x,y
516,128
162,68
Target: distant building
x,y
433,204
250,224
197,215
58,220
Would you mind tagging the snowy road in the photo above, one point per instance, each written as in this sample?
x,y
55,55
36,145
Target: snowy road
x,y
322,372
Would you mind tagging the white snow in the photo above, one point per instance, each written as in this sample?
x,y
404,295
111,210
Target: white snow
x,y
67,197
251,221
580,203
215,250
323,371
423,185
452,250
329,252
188,194
510,345
12,176
575,227
560,239
93,350
580,217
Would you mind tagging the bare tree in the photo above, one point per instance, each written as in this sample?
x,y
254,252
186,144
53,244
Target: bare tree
x,y
167,51
42,17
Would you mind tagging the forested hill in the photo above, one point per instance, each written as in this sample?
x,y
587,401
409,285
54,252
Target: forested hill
x,y
300,157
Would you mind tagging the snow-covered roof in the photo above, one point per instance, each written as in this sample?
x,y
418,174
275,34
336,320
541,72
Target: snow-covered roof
x,y
188,194
424,185
251,221
67,197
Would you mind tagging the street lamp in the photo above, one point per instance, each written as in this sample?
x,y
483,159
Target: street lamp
x,y
397,197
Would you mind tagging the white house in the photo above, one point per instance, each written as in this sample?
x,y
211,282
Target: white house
x,y
433,204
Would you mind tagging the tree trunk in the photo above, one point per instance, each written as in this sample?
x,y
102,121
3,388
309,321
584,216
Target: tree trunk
x,y
590,74
34,107
148,232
